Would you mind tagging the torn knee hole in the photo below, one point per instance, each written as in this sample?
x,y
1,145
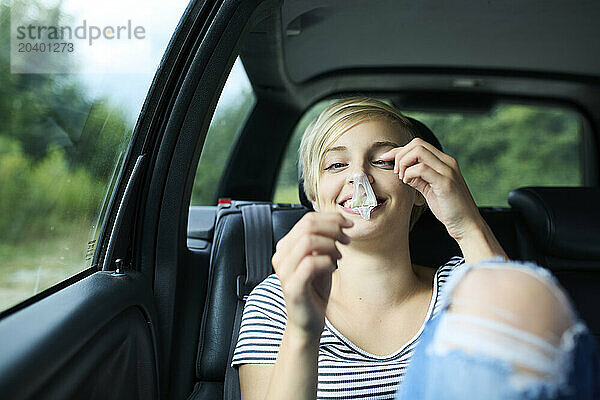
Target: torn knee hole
x,y
514,297
527,357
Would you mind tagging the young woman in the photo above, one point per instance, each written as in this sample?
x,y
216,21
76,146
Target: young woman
x,y
343,314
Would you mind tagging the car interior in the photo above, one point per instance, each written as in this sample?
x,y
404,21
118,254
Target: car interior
x,y
162,322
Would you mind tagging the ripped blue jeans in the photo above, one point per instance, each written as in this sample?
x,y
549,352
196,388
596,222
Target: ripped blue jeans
x,y
463,356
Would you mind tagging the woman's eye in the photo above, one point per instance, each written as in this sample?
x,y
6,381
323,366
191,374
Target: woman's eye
x,y
382,163
335,166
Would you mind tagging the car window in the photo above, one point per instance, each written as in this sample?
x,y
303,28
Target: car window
x,y
514,145
235,104
72,83
286,188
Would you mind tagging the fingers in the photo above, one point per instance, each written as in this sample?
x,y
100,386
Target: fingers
x,y
422,177
421,155
390,154
324,224
399,152
314,234
310,267
417,152
418,142
311,245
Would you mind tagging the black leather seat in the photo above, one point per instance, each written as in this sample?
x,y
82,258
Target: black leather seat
x,y
559,228
227,263
431,246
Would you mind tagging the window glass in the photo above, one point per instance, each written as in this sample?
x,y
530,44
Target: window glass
x,y
514,145
286,189
68,105
236,101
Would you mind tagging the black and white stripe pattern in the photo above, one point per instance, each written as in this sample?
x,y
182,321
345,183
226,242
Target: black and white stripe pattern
x,y
345,371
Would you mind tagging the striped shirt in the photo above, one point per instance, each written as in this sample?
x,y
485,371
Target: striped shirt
x,y
345,370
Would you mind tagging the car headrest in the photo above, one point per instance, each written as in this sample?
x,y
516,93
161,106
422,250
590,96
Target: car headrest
x,y
420,129
303,199
563,222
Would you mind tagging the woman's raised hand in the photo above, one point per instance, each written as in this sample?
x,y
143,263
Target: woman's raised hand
x,y
304,260
437,177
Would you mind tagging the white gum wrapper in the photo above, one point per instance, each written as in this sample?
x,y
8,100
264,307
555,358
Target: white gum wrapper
x,y
363,200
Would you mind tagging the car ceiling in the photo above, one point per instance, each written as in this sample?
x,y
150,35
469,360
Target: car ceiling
x,y
549,36
306,50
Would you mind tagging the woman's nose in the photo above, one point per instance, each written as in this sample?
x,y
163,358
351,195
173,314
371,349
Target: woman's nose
x,y
357,175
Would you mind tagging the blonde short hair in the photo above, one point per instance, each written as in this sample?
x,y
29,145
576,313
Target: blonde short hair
x,y
334,121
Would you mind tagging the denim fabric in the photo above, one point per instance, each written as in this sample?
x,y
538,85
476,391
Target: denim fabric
x,y
446,372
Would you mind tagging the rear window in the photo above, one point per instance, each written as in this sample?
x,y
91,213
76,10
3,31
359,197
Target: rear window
x,y
514,145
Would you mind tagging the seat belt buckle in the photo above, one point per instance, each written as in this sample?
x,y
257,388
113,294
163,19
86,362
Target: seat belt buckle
x,y
241,288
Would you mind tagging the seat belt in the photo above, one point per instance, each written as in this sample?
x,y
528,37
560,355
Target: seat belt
x,y
258,246
258,242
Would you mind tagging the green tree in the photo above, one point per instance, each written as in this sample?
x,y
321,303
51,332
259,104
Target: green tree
x,y
513,146
222,133
58,147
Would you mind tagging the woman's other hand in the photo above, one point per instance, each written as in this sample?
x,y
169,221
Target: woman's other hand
x,y
304,260
437,177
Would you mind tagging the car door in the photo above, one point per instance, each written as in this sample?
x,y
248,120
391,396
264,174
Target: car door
x,y
107,331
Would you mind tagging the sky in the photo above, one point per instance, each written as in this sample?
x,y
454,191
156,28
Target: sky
x,y
122,70
138,59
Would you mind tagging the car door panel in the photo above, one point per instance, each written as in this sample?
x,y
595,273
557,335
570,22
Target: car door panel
x,y
107,335
92,339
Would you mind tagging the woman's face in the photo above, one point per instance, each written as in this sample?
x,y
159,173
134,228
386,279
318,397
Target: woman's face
x,y
358,150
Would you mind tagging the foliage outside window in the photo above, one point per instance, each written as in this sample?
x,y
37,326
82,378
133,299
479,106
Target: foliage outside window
x,y
62,140
286,189
235,103
512,146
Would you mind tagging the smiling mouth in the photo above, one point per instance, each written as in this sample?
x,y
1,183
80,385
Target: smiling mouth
x,y
350,210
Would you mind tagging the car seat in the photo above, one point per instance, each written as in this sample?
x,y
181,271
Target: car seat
x,y
559,228
245,234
